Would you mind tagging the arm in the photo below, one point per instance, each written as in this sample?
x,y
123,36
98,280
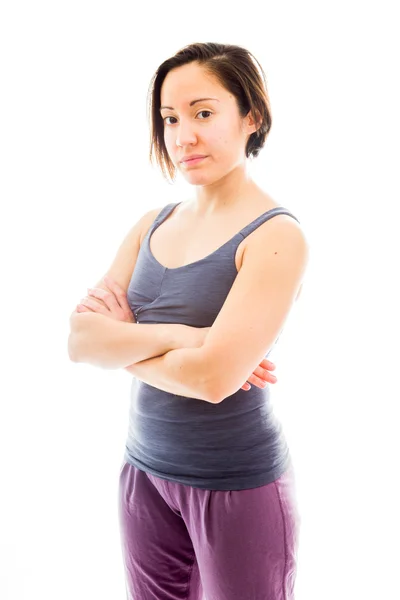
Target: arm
x,y
182,371
111,344
268,282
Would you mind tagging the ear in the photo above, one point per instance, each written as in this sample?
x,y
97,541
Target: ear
x,y
250,125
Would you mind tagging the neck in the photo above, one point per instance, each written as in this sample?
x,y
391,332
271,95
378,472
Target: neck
x,y
222,195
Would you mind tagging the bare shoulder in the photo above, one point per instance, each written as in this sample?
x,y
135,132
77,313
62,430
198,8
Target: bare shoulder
x,y
281,226
124,261
286,226
281,235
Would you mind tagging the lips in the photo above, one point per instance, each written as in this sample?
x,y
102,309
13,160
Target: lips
x,y
193,162
194,157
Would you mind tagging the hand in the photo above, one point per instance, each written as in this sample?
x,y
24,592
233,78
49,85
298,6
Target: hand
x,y
115,302
117,307
261,375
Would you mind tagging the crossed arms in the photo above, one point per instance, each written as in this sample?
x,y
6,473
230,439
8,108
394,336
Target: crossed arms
x,y
245,329
151,352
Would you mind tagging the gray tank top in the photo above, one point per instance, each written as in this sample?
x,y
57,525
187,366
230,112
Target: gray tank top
x,y
234,445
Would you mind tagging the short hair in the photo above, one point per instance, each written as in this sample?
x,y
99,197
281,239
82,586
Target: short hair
x,y
235,68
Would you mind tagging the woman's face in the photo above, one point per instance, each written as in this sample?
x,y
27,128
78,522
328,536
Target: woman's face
x,y
209,127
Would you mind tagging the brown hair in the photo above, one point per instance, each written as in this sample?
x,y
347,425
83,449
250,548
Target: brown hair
x,y
234,68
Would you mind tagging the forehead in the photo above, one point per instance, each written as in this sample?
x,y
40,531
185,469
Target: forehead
x,y
186,83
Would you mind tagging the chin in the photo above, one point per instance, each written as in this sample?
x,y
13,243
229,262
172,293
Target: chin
x,y
198,178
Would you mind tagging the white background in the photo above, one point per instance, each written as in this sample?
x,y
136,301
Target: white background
x,y
75,176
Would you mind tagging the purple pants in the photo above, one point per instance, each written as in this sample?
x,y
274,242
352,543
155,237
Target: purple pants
x,y
185,543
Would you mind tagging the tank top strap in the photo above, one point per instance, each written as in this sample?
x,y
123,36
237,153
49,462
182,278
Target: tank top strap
x,y
278,210
163,214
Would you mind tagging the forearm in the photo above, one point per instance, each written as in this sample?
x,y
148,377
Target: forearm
x,y
111,344
182,372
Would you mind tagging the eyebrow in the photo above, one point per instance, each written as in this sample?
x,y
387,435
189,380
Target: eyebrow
x,y
191,103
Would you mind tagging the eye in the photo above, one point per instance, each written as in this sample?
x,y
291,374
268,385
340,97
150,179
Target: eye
x,y
199,113
204,111
165,119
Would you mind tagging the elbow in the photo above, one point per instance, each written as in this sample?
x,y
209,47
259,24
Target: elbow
x,y
221,389
214,394
216,397
214,384
212,397
206,378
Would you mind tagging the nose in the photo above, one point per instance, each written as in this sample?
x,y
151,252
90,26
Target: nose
x,y
185,135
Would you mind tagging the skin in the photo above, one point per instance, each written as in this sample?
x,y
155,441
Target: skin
x,y
114,304
221,182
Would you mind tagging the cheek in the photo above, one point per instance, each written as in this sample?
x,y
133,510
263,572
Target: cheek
x,y
218,143
225,139
169,144
224,148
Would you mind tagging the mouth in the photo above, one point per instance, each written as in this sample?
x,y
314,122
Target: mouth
x,y
193,161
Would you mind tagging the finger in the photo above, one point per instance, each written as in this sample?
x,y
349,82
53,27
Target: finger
x,y
107,297
93,301
117,291
262,380
265,374
257,381
94,295
267,364
83,308
94,306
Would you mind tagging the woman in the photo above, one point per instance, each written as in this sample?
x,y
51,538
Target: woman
x,y
207,488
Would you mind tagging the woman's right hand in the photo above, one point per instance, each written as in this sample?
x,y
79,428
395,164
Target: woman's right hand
x,y
261,375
